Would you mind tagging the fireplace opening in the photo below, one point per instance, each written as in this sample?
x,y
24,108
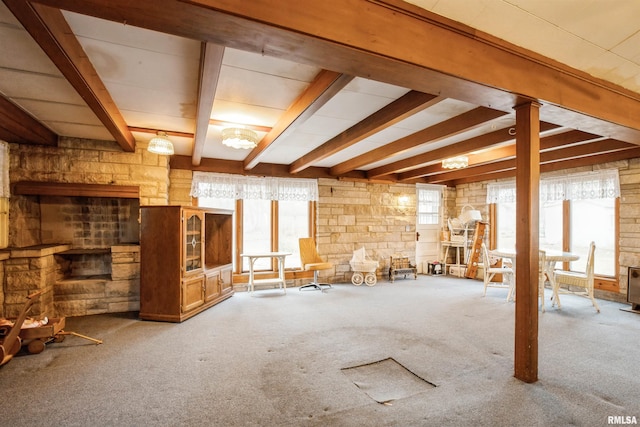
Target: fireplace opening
x,y
85,263
91,225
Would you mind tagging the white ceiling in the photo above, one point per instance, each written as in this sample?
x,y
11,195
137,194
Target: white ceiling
x,y
153,77
600,37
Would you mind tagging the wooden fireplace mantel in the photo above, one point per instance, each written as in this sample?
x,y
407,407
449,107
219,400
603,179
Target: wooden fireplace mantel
x,y
34,188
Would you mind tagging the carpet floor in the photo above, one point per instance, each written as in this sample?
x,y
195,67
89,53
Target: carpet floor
x,y
275,359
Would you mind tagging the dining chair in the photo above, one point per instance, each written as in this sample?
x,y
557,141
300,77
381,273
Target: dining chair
x,y
542,276
582,280
508,281
311,261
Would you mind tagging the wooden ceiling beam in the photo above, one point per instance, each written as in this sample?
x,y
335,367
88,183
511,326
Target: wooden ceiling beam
x,y
569,157
262,169
471,144
404,167
155,131
210,64
591,160
447,128
451,60
324,87
547,143
403,107
567,138
17,126
51,31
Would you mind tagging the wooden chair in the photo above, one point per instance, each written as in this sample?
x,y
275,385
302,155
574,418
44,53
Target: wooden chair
x,y
508,280
542,276
311,261
582,280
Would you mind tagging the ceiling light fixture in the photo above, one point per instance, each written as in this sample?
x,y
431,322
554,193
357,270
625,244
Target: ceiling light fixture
x,y
240,138
160,145
457,162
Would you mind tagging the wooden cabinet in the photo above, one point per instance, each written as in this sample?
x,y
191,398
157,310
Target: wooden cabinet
x,y
185,261
212,286
192,296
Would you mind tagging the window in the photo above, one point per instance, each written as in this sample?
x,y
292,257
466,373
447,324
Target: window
x,y
594,219
256,232
589,203
550,221
293,220
429,206
275,212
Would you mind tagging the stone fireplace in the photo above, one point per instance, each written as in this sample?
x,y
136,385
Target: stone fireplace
x,y
86,259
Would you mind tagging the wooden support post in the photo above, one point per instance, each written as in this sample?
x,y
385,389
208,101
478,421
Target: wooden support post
x,y
527,230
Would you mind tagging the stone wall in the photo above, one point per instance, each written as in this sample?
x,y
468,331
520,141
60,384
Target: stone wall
x,y
75,161
349,215
180,188
355,214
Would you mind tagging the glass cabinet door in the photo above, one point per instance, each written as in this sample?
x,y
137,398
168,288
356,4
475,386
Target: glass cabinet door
x,y
192,241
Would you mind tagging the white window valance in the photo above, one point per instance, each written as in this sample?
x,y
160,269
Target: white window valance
x,y
604,184
229,186
4,173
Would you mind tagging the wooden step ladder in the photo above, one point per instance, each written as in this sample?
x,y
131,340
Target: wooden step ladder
x,y
475,254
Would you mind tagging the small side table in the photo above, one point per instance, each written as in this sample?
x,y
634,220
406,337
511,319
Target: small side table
x,y
276,280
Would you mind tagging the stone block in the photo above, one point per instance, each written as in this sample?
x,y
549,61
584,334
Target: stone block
x,y
70,308
125,271
124,306
24,280
80,288
42,262
97,306
123,288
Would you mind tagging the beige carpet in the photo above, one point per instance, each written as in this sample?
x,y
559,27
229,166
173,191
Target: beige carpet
x,y
386,380
278,360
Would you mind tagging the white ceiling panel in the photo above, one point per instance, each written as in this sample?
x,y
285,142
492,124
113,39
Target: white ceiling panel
x,y
295,148
435,114
80,131
138,99
20,85
20,52
140,67
86,27
372,87
235,58
353,106
237,112
630,48
59,112
143,119
575,32
255,88
584,18
323,125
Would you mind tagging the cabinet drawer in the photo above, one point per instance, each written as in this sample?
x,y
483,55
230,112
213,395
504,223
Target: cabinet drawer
x,y
192,293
